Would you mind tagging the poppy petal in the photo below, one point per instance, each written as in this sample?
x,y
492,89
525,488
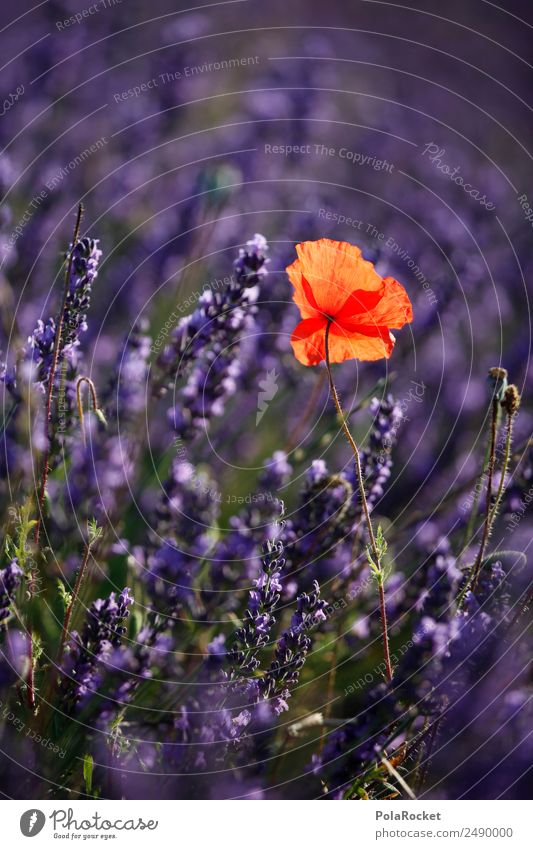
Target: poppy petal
x,y
334,271
365,343
360,304
395,308
308,341
303,295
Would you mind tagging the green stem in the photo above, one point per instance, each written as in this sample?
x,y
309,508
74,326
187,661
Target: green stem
x,y
505,467
46,461
471,582
488,501
65,632
51,379
474,511
74,598
360,480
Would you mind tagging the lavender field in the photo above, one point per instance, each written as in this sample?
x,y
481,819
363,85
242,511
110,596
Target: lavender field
x,y
266,451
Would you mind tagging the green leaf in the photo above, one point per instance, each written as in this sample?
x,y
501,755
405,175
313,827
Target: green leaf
x,y
88,764
64,595
94,531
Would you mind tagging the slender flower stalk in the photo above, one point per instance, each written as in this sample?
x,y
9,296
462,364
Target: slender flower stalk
x,y
51,378
95,534
377,550
478,489
488,501
511,404
508,398
46,460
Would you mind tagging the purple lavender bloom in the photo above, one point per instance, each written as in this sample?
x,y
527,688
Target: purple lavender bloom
x,y
518,494
39,349
321,526
125,397
129,665
206,344
250,266
39,352
186,514
354,747
13,652
484,686
188,507
10,579
292,649
376,458
237,557
259,620
85,259
102,632
35,362
169,578
436,582
276,473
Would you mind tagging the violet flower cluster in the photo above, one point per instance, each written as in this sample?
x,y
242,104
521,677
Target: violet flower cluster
x,y
205,345
10,579
87,652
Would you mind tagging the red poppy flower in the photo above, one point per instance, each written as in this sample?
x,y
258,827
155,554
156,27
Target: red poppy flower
x,y
334,284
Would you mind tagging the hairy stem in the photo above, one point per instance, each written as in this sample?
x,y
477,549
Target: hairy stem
x,y
487,524
471,582
51,379
375,550
505,467
65,633
478,489
385,630
46,460
75,593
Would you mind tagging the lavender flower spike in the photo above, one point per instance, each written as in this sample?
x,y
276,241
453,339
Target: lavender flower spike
x,y
376,459
85,258
10,578
292,649
250,266
37,356
259,619
205,345
103,631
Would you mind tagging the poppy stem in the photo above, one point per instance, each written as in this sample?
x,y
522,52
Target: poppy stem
x,y
373,544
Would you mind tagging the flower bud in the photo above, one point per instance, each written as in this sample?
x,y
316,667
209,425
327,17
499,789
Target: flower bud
x,y
511,400
498,382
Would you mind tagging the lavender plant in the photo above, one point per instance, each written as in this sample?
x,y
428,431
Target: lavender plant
x,y
159,625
